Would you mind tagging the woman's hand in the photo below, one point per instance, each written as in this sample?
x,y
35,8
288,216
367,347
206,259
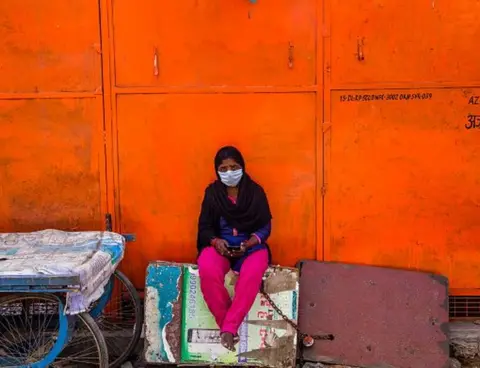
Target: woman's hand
x,y
249,243
221,246
244,247
237,253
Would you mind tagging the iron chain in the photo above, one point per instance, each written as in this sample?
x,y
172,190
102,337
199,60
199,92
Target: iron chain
x,y
301,334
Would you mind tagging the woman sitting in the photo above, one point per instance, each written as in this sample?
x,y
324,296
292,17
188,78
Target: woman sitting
x,y
234,225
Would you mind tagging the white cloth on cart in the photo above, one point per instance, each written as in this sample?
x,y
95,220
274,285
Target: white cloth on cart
x,y
91,255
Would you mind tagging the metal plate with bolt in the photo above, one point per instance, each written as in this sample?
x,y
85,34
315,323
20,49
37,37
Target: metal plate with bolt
x,y
378,316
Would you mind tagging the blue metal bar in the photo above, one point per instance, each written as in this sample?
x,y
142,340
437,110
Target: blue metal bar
x,y
35,289
129,237
39,280
104,299
60,342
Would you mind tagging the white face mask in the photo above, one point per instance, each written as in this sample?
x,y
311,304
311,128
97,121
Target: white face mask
x,y
231,178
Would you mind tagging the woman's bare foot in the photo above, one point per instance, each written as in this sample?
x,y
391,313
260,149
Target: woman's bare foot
x,y
228,340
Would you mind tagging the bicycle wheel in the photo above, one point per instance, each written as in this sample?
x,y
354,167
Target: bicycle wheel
x,y
87,346
119,316
35,333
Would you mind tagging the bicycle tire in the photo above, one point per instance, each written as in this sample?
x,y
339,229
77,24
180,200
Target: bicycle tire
x,y
99,339
116,361
88,321
43,298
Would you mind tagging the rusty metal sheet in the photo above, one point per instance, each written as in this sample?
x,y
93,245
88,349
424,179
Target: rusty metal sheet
x,y
380,317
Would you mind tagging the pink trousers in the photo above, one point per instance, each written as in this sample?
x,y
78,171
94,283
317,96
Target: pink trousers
x,y
213,267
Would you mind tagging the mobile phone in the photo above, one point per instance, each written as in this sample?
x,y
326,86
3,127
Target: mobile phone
x,y
203,336
233,247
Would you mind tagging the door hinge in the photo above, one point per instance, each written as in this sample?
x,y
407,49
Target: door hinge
x,y
108,222
98,48
324,190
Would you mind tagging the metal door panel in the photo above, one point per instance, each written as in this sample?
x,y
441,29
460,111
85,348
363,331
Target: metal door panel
x,y
49,45
215,43
51,156
166,149
401,173
404,41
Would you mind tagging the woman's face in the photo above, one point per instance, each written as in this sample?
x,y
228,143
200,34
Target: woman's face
x,y
229,165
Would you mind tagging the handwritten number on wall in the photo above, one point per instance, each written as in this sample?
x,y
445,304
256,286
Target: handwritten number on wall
x,y
386,97
473,121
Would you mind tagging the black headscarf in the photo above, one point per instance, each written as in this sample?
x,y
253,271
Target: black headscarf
x,y
250,213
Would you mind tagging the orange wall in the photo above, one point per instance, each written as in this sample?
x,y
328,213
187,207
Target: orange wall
x,y
196,75
352,117
51,115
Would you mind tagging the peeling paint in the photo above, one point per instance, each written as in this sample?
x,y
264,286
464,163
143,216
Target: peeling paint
x,y
174,305
163,312
167,347
152,323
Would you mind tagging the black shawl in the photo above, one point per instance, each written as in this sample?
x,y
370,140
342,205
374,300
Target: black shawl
x,y
250,213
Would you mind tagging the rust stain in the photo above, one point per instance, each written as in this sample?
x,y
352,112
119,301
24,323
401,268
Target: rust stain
x,y
174,328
